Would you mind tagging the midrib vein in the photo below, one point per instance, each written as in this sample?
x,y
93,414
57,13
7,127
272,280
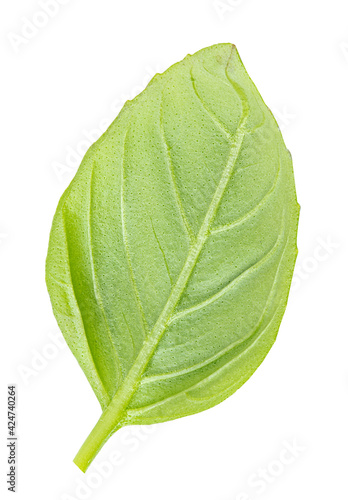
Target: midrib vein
x,y
115,411
114,416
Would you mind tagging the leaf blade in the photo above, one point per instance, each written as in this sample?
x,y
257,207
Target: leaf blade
x,y
198,196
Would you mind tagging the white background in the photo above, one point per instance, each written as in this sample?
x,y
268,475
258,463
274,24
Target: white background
x,y
66,83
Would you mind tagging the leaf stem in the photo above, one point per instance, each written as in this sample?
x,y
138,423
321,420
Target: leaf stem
x,y
104,428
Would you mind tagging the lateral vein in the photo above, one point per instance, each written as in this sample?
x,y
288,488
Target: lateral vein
x,y
169,163
212,116
125,241
229,286
103,392
97,294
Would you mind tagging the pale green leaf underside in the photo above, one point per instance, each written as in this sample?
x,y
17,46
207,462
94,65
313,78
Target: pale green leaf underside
x,y
172,250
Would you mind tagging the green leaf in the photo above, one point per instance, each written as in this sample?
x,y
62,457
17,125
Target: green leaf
x,y
172,250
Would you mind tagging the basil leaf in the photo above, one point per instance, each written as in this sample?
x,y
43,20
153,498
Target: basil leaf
x,y
172,250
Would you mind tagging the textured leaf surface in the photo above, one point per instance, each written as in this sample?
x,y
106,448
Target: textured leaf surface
x,y
172,250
